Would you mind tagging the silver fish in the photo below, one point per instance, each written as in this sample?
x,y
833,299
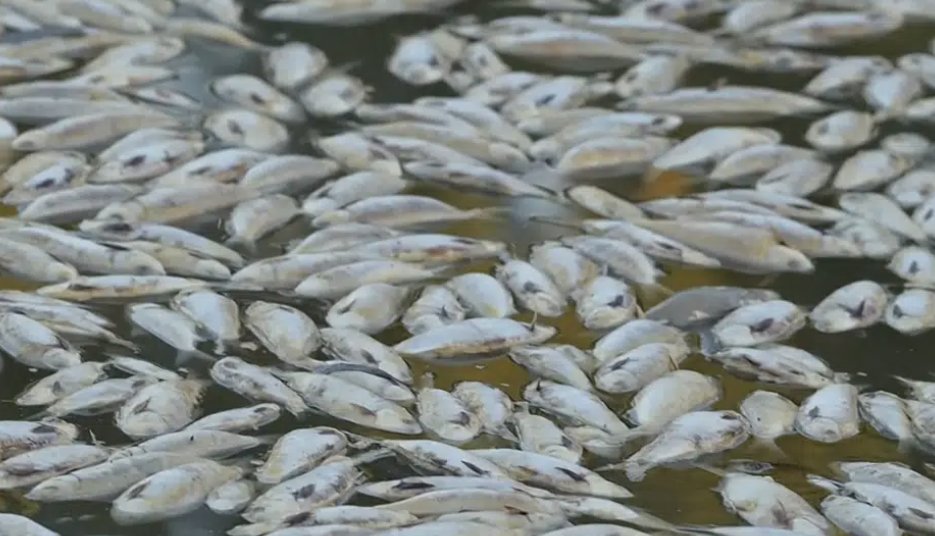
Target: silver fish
x,y
473,337
256,383
299,451
854,306
830,414
238,419
286,332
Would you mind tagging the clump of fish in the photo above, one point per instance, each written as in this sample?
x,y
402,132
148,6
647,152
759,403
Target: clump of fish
x,y
306,281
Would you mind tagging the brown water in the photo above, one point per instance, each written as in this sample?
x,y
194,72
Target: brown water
x,y
679,495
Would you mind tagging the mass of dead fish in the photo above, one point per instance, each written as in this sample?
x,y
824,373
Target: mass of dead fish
x,y
263,297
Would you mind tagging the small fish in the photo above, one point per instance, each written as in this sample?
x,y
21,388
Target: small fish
x,y
238,419
540,435
573,405
60,384
492,406
245,128
553,363
445,416
256,383
18,437
436,306
33,467
286,332
911,312
482,295
172,492
664,399
854,306
299,451
231,497
764,503
215,314
191,444
88,130
473,337
255,94
400,211
350,188
770,415
170,327
355,347
33,344
101,397
633,370
160,408
775,363
701,305
333,95
756,160
796,178
349,402
688,437
841,131
531,288
339,281
255,218
294,65
550,473
830,414
858,518
140,367
369,308
754,324
118,286
886,413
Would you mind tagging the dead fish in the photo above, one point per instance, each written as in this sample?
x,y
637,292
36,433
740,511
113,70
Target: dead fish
x,y
770,415
573,405
173,204
846,77
369,308
757,160
102,397
603,203
256,383
577,50
532,288
255,94
355,347
255,218
299,451
88,130
60,384
215,314
293,65
554,363
889,92
605,303
160,408
445,416
540,435
482,295
735,103
827,29
435,307
634,334
911,312
872,240
191,444
779,364
798,178
857,517
244,128
882,211
333,94
688,437
358,152
231,497
568,269
18,437
171,493
349,402
238,419
32,263
636,368
853,306
754,324
170,327
621,258
841,131
350,188
606,157
432,248
914,264
764,503
550,473
713,144
696,306
33,344
886,413
340,280
400,211
36,466
284,272
473,337
475,177
830,414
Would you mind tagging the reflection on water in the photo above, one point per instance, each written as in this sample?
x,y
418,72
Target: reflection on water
x,y
872,356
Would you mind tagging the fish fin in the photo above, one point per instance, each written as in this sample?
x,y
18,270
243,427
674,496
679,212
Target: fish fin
x,y
770,446
824,483
708,342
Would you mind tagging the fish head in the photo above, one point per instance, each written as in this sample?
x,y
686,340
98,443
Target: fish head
x,y
60,358
789,259
508,157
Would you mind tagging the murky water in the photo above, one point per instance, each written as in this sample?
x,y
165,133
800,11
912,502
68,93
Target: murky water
x,y
679,495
